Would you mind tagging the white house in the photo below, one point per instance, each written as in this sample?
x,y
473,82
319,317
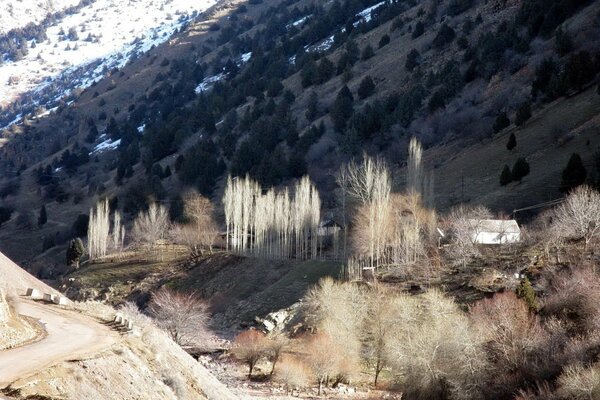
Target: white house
x,y
494,231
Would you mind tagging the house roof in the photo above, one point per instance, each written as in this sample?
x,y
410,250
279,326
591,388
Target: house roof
x,y
329,223
495,225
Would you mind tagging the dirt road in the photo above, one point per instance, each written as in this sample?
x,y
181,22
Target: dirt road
x,y
69,336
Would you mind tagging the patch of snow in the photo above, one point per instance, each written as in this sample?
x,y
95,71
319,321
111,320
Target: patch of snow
x,y
323,46
365,15
106,145
299,22
18,13
141,128
246,57
208,82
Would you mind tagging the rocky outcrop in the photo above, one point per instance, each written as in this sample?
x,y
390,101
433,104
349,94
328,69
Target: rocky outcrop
x,y
4,310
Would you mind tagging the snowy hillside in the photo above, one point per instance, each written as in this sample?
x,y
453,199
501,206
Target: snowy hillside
x,y
81,47
18,13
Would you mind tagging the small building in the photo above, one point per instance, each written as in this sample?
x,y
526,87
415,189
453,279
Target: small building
x,y
328,227
494,231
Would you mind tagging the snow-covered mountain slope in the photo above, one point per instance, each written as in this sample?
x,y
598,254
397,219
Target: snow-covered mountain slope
x,y
18,13
83,46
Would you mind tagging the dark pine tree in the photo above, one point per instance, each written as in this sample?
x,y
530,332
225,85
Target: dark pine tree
x,y
342,108
74,252
43,217
520,169
574,174
366,87
523,113
512,142
505,176
501,122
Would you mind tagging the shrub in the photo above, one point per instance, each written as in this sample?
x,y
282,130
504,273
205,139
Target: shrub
x,y
75,251
445,36
327,360
384,41
183,316
526,293
510,332
412,60
292,373
250,347
579,383
433,350
367,53
366,87
578,217
523,113
419,30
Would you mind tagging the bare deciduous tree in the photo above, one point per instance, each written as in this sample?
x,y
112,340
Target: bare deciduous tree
x,y
183,316
249,347
405,232
433,350
200,231
464,225
273,224
369,183
293,373
378,330
327,359
578,218
151,226
99,230
580,383
338,310
276,344
508,328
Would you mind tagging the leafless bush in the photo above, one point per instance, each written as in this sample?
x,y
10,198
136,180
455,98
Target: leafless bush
x,y
575,296
578,218
201,230
151,226
132,312
379,328
276,344
182,315
293,373
338,310
250,347
328,360
580,383
511,335
463,225
433,351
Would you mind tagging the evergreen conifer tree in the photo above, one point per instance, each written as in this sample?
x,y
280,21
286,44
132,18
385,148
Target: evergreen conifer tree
x,y
512,142
505,176
43,218
574,174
